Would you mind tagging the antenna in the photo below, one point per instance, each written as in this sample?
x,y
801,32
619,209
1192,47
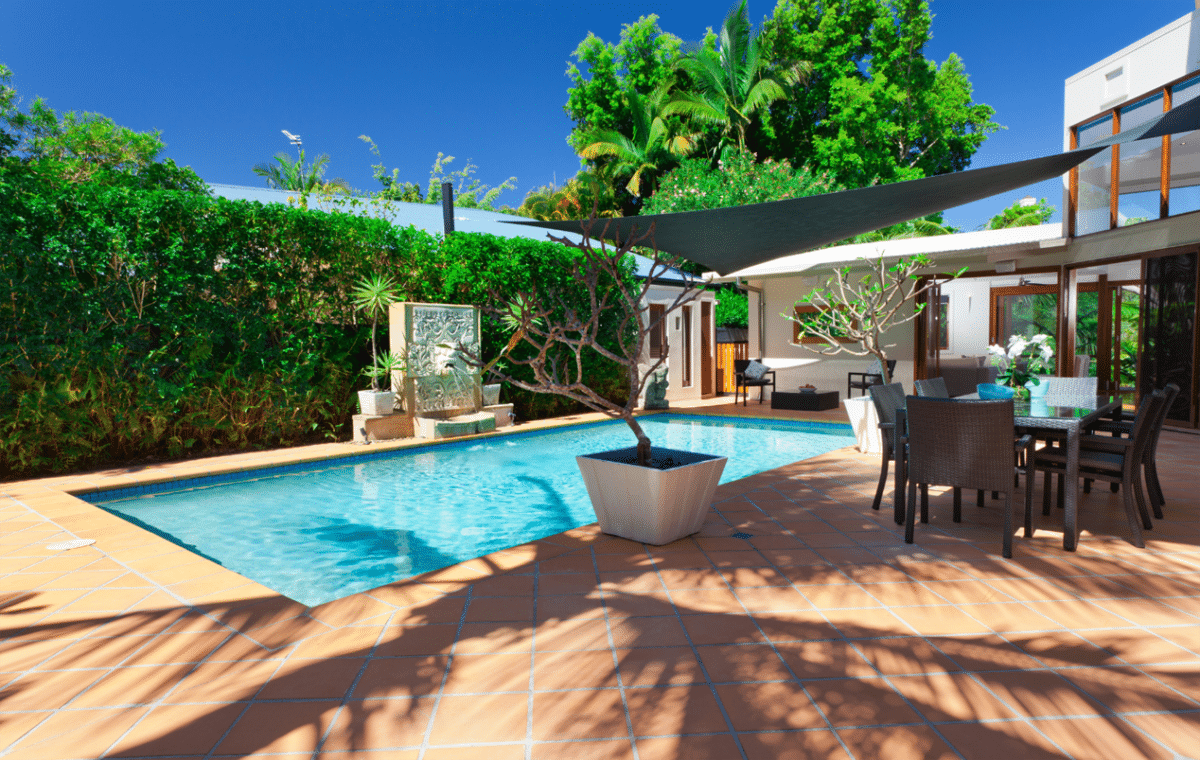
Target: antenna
x,y
294,138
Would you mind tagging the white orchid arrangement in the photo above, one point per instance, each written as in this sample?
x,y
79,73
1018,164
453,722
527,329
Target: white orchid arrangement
x,y
1038,353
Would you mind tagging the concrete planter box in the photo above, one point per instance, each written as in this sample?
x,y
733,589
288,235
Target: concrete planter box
x,y
647,504
861,412
376,403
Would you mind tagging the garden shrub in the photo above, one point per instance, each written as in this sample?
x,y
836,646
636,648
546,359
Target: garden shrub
x,y
140,322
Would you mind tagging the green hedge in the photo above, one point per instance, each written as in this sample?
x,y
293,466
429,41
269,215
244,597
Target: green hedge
x,y
139,323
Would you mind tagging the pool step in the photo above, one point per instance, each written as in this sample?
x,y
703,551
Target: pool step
x,y
451,427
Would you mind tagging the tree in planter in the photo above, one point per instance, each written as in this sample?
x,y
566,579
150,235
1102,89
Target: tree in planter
x,y
853,313
373,295
549,321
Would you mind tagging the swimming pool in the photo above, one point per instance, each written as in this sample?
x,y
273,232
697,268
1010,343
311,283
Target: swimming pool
x,y
319,531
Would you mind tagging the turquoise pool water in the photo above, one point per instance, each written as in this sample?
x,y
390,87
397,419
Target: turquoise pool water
x,y
323,530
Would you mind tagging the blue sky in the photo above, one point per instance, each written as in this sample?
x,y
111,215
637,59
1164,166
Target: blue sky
x,y
482,81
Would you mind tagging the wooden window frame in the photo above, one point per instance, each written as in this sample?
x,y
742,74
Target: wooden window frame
x,y
657,316
797,339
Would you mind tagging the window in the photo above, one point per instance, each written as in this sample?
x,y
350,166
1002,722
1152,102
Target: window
x,y
944,323
803,314
658,340
687,346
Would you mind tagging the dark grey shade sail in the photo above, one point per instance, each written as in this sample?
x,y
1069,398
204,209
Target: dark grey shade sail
x,y
729,239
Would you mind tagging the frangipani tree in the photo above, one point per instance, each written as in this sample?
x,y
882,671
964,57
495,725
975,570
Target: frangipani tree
x,y
854,312
562,324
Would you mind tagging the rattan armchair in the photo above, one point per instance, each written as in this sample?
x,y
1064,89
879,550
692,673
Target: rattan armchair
x,y
1115,460
934,387
873,376
888,399
1124,428
962,444
743,384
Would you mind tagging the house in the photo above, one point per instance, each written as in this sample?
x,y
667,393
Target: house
x,y
1115,282
689,333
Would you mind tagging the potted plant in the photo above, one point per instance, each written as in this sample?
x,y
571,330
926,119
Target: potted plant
x,y
652,495
852,314
372,295
1022,362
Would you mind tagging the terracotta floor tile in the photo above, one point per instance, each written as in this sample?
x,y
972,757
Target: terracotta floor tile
x,y
508,584
899,743
796,745
1140,649
223,681
380,723
270,727
656,711
400,677
631,581
1039,694
693,600
721,629
573,633
824,659
795,625
1146,612
769,706
349,641
691,578
621,604
75,733
750,662
906,656
483,752
575,583
771,598
40,690
1180,732
654,666
178,730
128,686
1010,617
1078,615
1187,636
500,610
602,749
474,673
837,597
718,747
494,638
1063,649
950,697
860,702
414,640
984,653
350,610
565,607
739,559
1013,739
660,631
313,679
1101,739
905,594
967,591
573,670
579,714
462,719
1124,689
867,623
940,620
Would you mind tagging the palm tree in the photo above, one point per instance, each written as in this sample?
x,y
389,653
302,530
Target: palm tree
x,y
577,199
735,81
651,149
294,175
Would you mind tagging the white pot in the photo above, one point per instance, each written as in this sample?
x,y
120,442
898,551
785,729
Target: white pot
x,y
647,504
376,402
491,394
861,412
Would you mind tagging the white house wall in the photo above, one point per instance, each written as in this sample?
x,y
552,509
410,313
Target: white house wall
x,y
665,295
797,365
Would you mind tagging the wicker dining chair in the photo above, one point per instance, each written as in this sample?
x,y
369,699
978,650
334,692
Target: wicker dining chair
x,y
888,399
934,387
1124,428
1116,460
1067,389
962,444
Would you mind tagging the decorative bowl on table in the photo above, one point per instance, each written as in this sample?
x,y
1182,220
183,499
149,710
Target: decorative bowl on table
x,y
993,391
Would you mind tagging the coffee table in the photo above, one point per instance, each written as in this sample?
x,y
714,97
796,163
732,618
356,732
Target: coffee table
x,y
807,402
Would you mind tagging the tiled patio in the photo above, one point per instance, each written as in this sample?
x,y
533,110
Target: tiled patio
x,y
822,635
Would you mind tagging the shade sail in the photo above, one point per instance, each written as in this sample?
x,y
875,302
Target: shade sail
x,y
729,239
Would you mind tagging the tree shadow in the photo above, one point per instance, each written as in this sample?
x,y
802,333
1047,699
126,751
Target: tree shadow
x,y
774,682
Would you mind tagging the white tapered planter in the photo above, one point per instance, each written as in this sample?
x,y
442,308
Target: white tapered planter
x,y
861,412
376,402
648,504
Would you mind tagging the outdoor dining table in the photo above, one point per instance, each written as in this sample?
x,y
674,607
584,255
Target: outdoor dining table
x,y
1071,415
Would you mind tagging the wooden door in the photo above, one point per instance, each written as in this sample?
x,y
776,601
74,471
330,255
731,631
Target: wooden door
x,y
706,350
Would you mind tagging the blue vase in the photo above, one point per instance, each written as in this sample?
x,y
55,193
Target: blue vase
x,y
993,391
1039,390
